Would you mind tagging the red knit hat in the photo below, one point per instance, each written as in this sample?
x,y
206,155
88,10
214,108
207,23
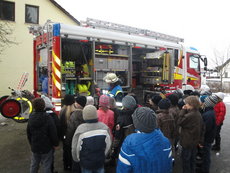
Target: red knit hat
x,y
104,101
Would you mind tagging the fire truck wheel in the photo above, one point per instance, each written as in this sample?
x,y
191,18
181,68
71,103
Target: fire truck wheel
x,y
26,109
20,119
10,108
3,98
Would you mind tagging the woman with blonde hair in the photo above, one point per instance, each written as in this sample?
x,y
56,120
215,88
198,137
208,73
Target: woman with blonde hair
x,y
67,109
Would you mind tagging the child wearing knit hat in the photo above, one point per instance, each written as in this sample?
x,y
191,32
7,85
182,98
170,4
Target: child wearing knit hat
x,y
89,100
124,124
124,119
64,115
148,150
209,120
105,115
80,101
175,111
91,142
166,122
153,101
220,112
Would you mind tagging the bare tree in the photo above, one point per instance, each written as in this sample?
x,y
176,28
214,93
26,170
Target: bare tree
x,y
6,38
221,60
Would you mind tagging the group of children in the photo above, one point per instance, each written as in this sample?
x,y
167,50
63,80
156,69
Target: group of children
x,y
134,138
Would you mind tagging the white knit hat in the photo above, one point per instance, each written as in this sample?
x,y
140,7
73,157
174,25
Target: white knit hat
x,y
220,95
89,112
48,102
89,100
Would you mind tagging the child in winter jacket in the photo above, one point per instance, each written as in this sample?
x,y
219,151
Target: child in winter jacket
x,y
146,151
91,142
220,111
124,125
105,115
42,136
165,121
190,124
209,120
64,115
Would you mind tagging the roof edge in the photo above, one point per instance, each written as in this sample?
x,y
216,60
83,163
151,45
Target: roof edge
x,y
64,11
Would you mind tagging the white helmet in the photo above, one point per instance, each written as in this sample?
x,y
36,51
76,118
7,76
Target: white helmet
x,y
188,87
111,78
204,88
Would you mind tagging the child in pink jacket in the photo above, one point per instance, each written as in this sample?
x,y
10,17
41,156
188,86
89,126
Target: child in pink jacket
x,y
105,115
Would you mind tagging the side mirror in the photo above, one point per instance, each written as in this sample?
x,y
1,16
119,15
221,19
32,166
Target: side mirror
x,y
205,62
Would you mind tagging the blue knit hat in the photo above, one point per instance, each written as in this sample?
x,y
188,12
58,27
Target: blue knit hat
x,y
202,98
164,104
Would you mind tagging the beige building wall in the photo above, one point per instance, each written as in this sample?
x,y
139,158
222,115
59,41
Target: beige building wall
x,y
17,59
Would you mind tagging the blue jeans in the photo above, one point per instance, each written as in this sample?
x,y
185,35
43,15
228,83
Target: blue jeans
x,y
206,157
100,170
189,159
45,159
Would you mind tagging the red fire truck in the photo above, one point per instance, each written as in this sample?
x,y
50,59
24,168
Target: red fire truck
x,y
74,59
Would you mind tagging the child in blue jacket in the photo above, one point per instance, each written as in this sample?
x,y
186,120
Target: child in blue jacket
x,y
148,150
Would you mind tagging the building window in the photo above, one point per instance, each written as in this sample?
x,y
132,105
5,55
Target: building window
x,y
32,14
7,10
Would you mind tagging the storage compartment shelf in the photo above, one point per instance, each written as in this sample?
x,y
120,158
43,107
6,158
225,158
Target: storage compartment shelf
x,y
112,55
85,78
110,70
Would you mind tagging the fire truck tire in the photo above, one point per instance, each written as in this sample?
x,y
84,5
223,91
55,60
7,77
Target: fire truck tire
x,y
10,108
20,119
26,109
3,98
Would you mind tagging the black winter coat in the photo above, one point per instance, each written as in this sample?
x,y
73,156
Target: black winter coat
x,y
209,119
56,121
125,117
41,133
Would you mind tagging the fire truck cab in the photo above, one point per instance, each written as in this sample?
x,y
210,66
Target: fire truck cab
x,y
74,59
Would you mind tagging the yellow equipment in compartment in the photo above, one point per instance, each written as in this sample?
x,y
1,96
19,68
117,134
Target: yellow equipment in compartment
x,y
166,67
83,89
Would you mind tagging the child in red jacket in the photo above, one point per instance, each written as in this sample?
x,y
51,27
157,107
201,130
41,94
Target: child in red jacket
x,y
220,111
105,115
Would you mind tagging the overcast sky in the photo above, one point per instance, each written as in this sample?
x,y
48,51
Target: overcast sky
x,y
204,24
